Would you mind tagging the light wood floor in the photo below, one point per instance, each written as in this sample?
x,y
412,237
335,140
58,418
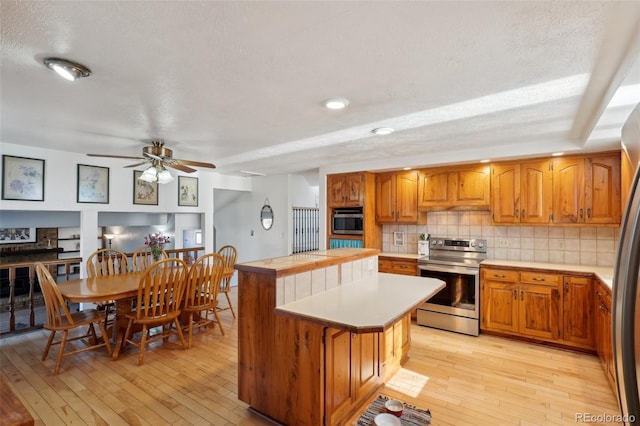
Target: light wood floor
x,y
463,380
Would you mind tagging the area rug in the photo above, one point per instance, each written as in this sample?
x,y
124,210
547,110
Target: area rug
x,y
411,416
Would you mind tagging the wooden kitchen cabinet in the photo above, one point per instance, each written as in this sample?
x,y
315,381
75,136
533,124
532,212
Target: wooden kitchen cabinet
x,y
578,311
397,197
522,192
525,304
395,343
453,188
395,265
602,330
587,189
346,190
352,371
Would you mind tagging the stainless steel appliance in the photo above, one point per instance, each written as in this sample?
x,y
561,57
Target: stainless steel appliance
x,y
626,287
347,221
455,261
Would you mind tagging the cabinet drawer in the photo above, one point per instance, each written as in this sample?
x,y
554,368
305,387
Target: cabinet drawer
x,y
402,267
499,275
539,278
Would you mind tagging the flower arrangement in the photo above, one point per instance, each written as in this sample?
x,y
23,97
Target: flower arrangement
x,y
156,243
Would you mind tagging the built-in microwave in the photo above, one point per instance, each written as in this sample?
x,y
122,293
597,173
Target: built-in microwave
x,y
347,221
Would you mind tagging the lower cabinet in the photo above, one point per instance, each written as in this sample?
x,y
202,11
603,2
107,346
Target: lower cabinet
x,y
400,266
357,364
602,330
539,305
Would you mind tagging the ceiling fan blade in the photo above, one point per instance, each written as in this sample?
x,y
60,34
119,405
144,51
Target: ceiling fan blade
x,y
196,163
178,166
137,164
116,156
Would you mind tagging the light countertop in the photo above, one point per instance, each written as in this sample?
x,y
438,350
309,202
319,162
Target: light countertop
x,y
368,305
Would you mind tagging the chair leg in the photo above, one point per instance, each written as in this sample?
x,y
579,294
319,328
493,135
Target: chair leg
x,y
190,335
46,349
63,343
143,343
215,312
180,335
226,293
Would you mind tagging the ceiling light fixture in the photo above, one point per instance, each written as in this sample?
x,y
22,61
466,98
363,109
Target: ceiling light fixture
x,y
156,173
250,173
336,103
484,161
382,131
557,154
67,69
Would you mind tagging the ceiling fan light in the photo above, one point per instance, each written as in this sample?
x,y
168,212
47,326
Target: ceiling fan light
x,y
149,175
164,176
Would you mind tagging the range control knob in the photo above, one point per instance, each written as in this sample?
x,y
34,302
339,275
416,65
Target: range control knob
x,y
473,243
480,244
434,242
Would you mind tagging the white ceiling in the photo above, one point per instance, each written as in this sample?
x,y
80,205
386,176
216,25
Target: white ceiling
x,y
240,84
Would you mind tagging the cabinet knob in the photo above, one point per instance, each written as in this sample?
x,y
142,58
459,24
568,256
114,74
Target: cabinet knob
x,y
515,294
581,213
522,215
538,279
515,213
589,213
566,286
522,295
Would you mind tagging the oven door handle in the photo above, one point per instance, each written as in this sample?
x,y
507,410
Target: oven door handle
x,y
449,269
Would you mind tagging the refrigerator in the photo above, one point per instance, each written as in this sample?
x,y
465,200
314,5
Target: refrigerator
x,y
626,286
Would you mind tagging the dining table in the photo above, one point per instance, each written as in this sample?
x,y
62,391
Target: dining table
x,y
120,288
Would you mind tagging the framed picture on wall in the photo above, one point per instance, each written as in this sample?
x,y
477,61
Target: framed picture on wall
x,y
187,191
17,235
22,178
144,192
93,184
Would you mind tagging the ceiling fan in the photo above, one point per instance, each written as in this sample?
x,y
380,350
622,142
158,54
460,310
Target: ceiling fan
x,y
159,156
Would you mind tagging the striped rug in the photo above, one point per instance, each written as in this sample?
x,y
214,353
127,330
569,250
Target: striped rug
x,y
411,416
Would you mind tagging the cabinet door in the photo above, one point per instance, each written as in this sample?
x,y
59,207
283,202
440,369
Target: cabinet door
x,y
578,311
602,189
398,266
385,198
568,190
355,189
539,311
599,327
365,362
335,190
536,185
499,306
338,374
505,199
470,187
433,188
407,197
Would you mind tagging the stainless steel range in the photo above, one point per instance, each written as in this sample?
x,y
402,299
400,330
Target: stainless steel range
x,y
456,261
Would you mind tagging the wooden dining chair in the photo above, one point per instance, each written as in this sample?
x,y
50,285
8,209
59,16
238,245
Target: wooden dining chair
x,y
201,295
142,258
230,255
158,304
103,262
59,318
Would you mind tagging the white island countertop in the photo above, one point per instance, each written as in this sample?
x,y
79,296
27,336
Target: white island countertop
x,y
368,305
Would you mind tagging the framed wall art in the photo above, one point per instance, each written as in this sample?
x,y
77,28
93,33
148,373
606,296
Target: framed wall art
x,y
93,184
17,235
187,191
22,178
144,192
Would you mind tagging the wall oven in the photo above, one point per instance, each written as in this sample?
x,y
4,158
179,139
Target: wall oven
x,y
457,306
347,221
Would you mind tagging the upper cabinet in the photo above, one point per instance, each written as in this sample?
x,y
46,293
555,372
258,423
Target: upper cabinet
x,y
346,190
450,188
587,189
522,192
397,197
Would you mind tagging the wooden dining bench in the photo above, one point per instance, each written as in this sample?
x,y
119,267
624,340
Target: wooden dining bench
x,y
12,411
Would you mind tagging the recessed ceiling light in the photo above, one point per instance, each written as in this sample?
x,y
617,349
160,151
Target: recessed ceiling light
x,y
557,154
336,103
484,161
250,173
382,131
66,69
406,168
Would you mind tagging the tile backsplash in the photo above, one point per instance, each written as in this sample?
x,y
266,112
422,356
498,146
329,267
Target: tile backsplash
x,y
587,245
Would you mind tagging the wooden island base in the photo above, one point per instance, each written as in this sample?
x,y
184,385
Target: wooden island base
x,y
318,359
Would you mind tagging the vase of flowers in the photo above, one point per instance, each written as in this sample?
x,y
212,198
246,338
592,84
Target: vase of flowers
x,y
156,243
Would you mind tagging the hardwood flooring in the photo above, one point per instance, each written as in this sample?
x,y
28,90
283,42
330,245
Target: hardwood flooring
x,y
463,380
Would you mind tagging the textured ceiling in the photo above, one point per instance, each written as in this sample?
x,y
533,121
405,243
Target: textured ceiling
x,y
240,84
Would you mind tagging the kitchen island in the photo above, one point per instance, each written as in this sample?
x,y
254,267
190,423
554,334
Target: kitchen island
x,y
320,332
